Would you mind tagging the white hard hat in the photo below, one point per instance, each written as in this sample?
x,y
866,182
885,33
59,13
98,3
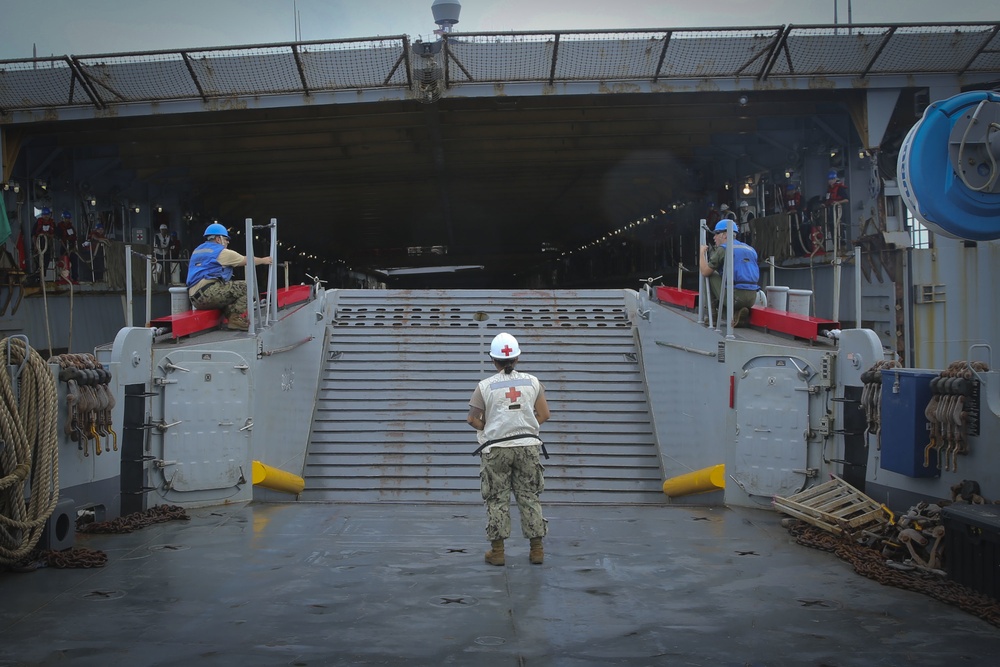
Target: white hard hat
x,y
724,207
504,346
744,204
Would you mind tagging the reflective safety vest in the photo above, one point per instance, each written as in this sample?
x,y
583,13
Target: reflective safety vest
x,y
205,264
510,409
746,273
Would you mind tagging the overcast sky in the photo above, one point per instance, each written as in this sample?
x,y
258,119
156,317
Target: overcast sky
x,y
80,27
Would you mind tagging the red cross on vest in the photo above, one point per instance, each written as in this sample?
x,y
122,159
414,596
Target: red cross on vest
x,y
506,349
513,394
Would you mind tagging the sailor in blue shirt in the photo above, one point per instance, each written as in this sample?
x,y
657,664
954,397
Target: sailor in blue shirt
x,y
746,273
209,281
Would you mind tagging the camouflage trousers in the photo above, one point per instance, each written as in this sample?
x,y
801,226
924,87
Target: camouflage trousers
x,y
742,298
229,297
517,469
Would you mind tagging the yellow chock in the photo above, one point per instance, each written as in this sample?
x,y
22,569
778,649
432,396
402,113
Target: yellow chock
x,y
708,479
277,480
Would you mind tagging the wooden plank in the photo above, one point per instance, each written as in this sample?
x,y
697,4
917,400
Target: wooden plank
x,y
831,496
813,491
839,508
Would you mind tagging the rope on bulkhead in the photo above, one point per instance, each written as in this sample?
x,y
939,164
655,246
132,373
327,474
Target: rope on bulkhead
x,y
29,453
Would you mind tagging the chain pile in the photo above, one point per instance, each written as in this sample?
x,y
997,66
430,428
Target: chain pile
x,y
870,563
77,557
82,557
133,522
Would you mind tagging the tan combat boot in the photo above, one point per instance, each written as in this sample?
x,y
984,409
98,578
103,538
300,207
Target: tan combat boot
x,y
495,555
536,555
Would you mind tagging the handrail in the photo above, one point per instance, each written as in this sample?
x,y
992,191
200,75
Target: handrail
x,y
262,314
704,289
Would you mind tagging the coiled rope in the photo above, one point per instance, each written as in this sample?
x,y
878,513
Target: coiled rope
x,y
29,454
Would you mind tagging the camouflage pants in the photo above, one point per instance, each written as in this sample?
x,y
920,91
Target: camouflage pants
x,y
517,469
229,297
742,298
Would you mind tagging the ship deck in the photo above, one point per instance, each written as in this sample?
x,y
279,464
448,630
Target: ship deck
x,y
393,584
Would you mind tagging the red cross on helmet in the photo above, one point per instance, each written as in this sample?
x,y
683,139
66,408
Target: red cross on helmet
x,y
504,346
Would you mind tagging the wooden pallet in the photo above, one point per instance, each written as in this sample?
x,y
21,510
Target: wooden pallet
x,y
834,506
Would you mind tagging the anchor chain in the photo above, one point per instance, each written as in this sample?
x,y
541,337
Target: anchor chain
x,y
133,522
872,564
82,557
77,557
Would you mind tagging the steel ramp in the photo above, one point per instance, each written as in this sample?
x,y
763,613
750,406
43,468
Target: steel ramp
x,y
400,367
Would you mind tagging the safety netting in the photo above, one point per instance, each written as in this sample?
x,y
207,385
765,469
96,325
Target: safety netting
x,y
875,50
609,57
205,74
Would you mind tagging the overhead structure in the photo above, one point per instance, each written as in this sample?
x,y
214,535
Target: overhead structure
x,y
369,147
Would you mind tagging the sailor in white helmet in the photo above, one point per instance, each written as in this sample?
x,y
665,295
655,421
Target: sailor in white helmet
x,y
506,409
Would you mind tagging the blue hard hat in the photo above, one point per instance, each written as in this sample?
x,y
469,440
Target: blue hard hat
x,y
46,211
790,186
215,229
832,174
722,226
66,214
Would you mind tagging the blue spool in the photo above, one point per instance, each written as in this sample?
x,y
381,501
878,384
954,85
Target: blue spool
x,y
929,185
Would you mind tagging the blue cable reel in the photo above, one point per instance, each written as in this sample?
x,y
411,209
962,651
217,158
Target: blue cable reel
x,y
949,167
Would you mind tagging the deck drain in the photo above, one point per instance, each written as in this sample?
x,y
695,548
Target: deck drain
x,y
169,547
818,604
490,641
102,595
453,601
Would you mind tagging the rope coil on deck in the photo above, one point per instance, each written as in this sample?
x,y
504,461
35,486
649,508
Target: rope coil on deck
x,y
28,449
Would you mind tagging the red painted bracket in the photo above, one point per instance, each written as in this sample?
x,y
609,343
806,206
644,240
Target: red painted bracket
x,y
677,296
800,326
189,322
294,294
